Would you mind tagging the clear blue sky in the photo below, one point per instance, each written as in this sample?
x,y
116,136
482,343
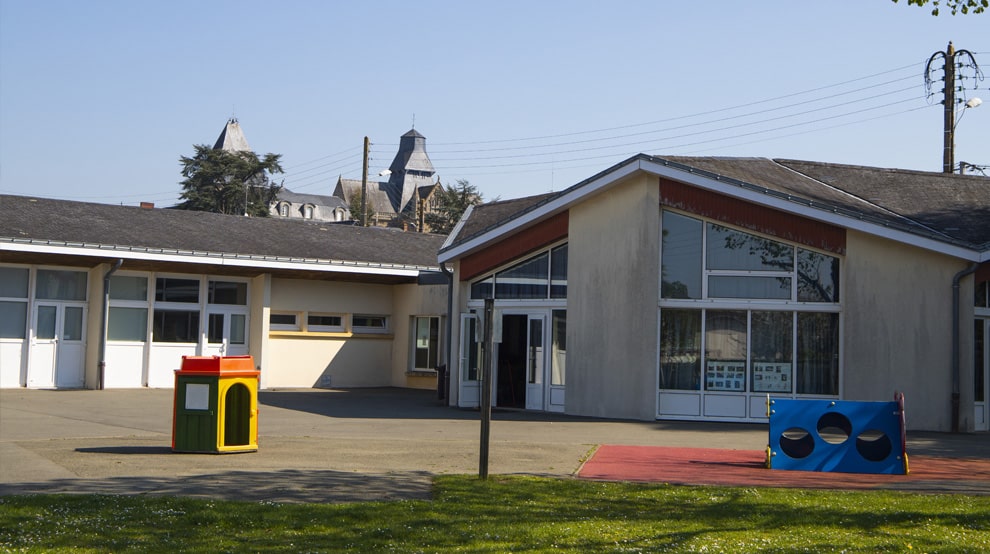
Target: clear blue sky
x,y
98,99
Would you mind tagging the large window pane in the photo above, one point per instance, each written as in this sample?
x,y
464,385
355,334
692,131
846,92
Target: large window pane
x,y
427,342
177,290
558,272
238,324
818,353
470,350
481,290
772,288
981,295
227,292
60,285
72,323
526,280
130,324
124,287
680,267
535,351
680,349
13,320
818,277
214,328
735,250
14,282
558,355
175,326
979,361
45,326
771,351
725,350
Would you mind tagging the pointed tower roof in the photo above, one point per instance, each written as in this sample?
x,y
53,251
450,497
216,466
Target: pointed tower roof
x,y
412,154
232,138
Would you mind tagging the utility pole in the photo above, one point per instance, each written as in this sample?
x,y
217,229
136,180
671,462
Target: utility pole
x,y
486,386
949,66
949,111
364,185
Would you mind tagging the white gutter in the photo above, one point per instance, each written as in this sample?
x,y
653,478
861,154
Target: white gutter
x,y
213,258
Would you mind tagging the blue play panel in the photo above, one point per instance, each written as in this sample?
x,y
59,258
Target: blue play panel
x,y
839,436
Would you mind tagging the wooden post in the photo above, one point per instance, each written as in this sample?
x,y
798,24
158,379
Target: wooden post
x,y
364,185
486,387
949,113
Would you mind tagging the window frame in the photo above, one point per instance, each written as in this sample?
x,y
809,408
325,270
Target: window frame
x,y
319,328
23,301
368,329
435,349
707,304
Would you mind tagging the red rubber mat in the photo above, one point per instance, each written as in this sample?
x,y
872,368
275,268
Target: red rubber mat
x,y
745,468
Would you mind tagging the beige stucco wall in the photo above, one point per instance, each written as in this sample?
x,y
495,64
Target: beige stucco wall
x,y
342,360
613,263
358,361
898,328
414,300
94,327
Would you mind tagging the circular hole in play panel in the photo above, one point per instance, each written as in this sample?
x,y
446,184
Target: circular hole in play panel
x,y
797,442
874,445
834,428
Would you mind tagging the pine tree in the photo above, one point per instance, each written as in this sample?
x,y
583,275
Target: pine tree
x,y
453,201
227,182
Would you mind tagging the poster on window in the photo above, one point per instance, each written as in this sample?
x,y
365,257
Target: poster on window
x,y
724,375
771,377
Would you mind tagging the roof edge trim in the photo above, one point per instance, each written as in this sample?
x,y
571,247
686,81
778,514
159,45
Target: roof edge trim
x,y
197,257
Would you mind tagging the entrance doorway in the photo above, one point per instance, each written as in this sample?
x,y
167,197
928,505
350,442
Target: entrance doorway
x,y
520,358
510,379
58,350
226,333
528,365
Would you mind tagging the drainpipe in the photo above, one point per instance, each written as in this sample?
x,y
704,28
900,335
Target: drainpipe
x,y
955,343
103,322
450,317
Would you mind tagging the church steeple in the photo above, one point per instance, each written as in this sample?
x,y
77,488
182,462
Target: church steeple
x,y
410,169
232,138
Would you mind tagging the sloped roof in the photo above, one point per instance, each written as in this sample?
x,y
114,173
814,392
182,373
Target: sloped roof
x,y
232,138
315,199
379,194
943,208
411,155
125,230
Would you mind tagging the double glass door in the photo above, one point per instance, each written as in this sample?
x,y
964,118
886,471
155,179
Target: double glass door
x,y
58,348
528,360
226,333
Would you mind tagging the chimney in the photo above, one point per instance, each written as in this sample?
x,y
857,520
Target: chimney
x,y
148,205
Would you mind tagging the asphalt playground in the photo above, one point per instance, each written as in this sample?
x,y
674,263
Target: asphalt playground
x,y
387,444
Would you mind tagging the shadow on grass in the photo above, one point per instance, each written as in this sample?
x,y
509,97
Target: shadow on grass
x,y
282,486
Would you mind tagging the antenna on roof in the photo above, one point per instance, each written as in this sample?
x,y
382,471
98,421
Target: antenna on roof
x,y
414,121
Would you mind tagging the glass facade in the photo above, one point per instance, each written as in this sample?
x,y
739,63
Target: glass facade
x,y
541,276
744,313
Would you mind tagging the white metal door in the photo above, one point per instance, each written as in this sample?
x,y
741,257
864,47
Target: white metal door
x,y
981,370
535,363
57,356
469,368
226,334
558,358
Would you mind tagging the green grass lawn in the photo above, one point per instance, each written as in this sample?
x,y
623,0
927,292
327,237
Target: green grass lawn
x,y
510,514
